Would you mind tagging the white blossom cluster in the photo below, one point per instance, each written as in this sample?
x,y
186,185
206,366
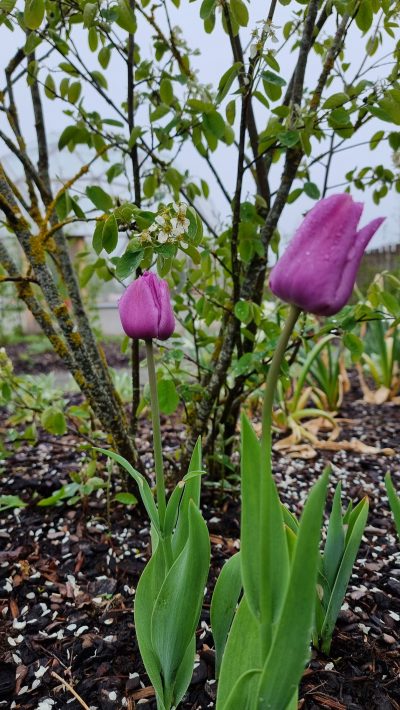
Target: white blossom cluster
x,y
260,36
170,225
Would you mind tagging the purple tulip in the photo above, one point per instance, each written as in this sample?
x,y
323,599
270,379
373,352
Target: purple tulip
x,y
318,270
145,309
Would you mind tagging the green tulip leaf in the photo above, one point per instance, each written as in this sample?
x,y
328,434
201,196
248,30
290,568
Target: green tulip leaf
x,y
343,574
144,488
171,513
394,501
191,492
224,600
178,605
334,545
185,673
250,520
282,670
244,692
147,591
239,656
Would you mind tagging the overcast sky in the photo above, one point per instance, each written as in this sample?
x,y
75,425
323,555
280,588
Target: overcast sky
x,y
213,59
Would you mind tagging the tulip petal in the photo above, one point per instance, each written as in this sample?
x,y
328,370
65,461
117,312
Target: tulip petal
x,y
317,271
349,273
145,308
138,311
166,323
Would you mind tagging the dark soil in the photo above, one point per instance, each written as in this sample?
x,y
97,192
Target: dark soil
x,y
68,578
28,359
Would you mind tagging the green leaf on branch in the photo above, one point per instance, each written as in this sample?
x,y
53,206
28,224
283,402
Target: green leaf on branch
x,y
354,344
135,134
53,420
240,12
100,198
167,395
99,79
227,80
312,190
89,14
230,112
215,123
149,185
364,15
335,100
166,92
243,311
125,17
104,57
74,92
97,241
50,87
128,263
33,41
289,138
63,206
93,39
272,78
376,139
206,8
110,234
34,13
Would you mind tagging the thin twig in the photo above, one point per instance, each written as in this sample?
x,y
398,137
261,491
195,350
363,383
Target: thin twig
x,y
71,690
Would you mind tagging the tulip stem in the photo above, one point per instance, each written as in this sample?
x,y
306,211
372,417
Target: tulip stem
x,y
272,379
157,444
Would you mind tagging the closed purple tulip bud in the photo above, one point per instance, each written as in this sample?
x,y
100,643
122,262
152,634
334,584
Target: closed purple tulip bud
x,y
317,272
145,308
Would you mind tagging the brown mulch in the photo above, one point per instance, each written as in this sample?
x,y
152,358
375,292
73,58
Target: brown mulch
x,y
67,582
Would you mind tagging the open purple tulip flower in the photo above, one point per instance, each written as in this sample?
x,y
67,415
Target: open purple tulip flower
x,y
145,308
318,270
